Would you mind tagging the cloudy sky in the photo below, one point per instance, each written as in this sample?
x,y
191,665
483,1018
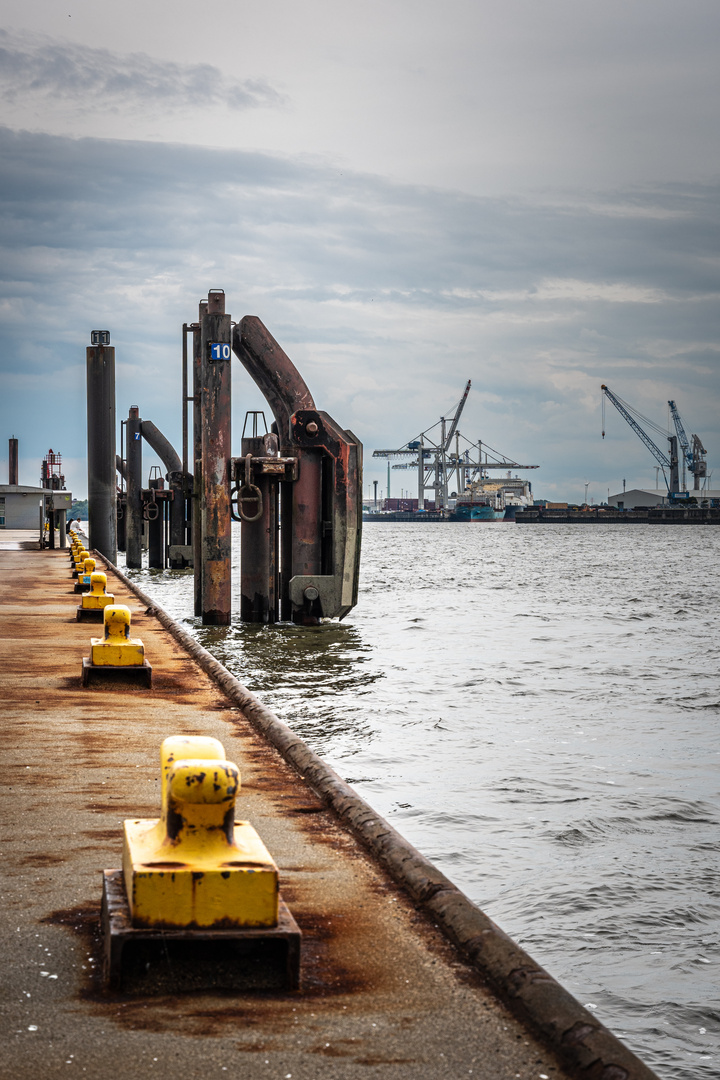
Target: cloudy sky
x,y
408,194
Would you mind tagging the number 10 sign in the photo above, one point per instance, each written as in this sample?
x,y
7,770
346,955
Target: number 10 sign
x,y
219,352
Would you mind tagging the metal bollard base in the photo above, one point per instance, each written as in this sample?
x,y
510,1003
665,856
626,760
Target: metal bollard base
x,y
89,614
146,961
139,674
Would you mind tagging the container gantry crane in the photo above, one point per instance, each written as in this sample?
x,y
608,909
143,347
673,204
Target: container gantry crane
x,y
671,462
695,456
436,464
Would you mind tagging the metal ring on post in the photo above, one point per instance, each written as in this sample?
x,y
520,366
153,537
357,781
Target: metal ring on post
x,y
151,511
257,497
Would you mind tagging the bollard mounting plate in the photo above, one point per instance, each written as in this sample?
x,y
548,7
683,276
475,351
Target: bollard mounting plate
x,y
140,674
142,960
95,615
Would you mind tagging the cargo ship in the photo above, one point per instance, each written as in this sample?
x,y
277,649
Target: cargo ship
x,y
467,509
491,500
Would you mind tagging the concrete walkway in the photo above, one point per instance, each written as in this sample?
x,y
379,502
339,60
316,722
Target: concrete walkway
x,y
383,993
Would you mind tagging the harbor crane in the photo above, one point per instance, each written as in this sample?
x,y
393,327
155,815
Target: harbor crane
x,y
437,463
694,457
667,462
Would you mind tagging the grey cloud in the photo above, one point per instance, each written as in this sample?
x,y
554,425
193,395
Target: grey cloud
x,y
95,78
388,296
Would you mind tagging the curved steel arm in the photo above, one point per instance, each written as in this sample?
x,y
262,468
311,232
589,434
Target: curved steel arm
x,y
164,450
274,373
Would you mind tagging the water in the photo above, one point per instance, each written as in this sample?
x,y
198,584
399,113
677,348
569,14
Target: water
x,y
535,708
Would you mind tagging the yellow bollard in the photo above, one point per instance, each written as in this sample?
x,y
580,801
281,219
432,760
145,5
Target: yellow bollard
x,y
116,653
116,648
83,582
80,558
198,867
180,748
93,604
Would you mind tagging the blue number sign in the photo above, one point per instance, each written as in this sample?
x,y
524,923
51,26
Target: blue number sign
x,y
219,352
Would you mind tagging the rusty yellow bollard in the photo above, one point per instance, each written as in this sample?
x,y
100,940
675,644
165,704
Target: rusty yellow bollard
x,y
116,653
179,748
116,648
93,604
80,558
197,866
196,904
83,582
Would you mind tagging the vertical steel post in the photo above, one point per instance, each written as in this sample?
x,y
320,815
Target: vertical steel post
x,y
186,514
176,513
121,495
62,527
133,501
286,550
13,461
197,461
184,402
156,537
307,516
121,523
102,505
259,543
215,409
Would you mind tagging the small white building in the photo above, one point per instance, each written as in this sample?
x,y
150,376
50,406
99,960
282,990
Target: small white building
x,y
646,498
20,505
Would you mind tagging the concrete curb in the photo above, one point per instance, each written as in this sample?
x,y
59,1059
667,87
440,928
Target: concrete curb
x,y
579,1040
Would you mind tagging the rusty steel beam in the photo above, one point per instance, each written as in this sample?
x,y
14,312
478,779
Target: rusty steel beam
x,y
102,498
154,502
197,462
282,385
133,501
321,511
286,392
259,537
215,423
333,590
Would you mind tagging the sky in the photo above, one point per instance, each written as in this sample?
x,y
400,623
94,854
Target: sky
x,y
408,194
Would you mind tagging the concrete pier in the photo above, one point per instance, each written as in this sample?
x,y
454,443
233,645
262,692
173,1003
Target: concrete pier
x,y
384,992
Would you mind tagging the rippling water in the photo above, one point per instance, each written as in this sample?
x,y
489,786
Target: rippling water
x,y
535,708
